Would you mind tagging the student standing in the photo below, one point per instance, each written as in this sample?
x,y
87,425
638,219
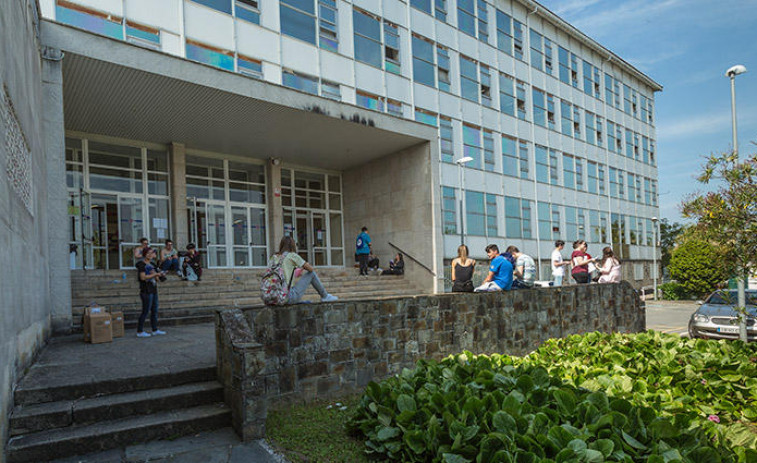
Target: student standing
x,y
148,292
363,250
500,277
558,264
580,260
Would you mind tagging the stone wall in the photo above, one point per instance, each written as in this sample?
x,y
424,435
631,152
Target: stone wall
x,y
268,354
25,287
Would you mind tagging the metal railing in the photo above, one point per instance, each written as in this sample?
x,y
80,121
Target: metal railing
x,y
404,253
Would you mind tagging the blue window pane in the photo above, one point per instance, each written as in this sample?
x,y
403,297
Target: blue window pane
x,y
423,5
220,5
469,89
426,118
468,69
250,68
466,22
297,24
423,72
367,51
142,35
366,25
89,22
248,15
211,57
370,102
306,84
423,49
304,5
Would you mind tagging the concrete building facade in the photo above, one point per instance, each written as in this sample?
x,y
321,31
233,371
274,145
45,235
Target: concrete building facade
x,y
560,129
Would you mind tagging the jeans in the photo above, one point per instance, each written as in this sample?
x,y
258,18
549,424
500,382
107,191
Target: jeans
x,y
519,284
149,304
299,288
487,286
170,264
363,260
557,280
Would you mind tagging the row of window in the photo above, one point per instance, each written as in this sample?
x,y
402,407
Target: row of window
x,y
554,221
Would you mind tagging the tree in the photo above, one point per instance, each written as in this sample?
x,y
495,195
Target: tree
x,y
691,265
727,217
669,233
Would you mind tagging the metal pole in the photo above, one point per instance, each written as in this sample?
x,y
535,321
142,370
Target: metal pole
x,y
462,193
654,260
740,287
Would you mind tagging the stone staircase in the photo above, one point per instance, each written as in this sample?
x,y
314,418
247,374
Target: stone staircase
x,y
183,302
86,416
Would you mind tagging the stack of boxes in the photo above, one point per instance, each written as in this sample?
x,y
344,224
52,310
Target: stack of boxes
x,y
101,326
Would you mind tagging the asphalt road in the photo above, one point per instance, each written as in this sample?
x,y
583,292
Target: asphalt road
x,y
670,316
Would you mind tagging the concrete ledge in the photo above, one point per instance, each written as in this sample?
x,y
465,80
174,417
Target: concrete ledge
x,y
308,351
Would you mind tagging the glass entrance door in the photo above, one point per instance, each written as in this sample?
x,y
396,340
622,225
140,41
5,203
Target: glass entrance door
x,y
131,228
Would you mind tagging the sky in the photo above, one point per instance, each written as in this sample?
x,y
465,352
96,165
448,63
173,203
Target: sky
x,y
686,46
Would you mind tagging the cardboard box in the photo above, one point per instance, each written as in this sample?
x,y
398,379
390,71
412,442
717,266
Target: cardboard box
x,y
100,328
88,311
117,322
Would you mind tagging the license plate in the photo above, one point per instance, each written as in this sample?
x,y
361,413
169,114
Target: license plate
x,y
728,329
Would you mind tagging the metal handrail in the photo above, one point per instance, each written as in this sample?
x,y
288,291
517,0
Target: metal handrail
x,y
412,258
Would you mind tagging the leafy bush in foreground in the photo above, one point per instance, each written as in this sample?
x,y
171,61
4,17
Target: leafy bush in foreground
x,y
630,400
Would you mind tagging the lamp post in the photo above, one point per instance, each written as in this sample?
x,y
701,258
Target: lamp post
x,y
461,164
654,256
740,287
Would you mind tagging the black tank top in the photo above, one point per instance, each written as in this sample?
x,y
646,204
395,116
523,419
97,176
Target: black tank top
x,y
463,273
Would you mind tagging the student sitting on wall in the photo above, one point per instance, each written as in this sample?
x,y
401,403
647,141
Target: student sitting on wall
x,y
500,277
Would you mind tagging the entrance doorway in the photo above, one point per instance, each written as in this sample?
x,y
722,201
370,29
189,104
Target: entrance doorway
x,y
311,235
230,235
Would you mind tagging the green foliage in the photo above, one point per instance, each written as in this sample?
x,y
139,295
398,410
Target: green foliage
x,y
674,291
669,233
592,398
698,267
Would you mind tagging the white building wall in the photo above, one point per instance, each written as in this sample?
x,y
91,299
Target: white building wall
x,y
180,20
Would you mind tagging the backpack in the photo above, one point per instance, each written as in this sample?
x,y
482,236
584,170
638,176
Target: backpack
x,y
273,287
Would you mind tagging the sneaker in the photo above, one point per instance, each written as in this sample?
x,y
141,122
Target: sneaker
x,y
329,298
143,334
158,332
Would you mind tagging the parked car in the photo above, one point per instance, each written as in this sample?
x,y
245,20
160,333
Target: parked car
x,y
716,318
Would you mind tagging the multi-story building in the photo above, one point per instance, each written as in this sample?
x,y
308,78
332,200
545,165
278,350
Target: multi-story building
x,y
315,117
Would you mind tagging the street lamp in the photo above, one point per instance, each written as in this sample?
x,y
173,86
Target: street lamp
x,y
654,256
732,73
461,164
740,287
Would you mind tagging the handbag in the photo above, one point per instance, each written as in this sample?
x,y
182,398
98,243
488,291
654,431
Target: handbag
x,y
462,286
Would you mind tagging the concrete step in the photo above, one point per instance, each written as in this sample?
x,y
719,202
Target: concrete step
x,y
40,417
77,440
29,392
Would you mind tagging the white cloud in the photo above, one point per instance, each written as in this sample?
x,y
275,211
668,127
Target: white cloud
x,y
702,124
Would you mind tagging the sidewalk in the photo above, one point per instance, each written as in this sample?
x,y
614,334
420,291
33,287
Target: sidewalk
x,y
70,363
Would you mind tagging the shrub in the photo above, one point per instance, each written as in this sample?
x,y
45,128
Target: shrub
x,y
698,267
674,291
627,398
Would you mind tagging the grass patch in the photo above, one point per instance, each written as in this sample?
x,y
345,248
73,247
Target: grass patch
x,y
314,432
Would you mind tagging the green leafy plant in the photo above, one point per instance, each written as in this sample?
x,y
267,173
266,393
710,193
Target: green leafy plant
x,y
627,398
698,267
674,291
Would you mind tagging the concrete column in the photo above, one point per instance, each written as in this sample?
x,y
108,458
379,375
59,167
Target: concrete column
x,y
178,167
54,142
275,211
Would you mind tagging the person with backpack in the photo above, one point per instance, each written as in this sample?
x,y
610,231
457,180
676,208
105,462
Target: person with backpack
x,y
276,286
147,274
363,250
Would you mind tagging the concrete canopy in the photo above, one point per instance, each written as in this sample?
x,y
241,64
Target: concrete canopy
x,y
117,89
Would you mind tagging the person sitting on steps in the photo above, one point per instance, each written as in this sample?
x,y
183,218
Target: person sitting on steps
x,y
192,266
396,266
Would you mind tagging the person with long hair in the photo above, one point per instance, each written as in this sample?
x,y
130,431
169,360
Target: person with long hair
x,y
290,261
609,268
396,266
462,271
580,261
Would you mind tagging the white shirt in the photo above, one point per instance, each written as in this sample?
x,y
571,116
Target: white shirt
x,y
557,270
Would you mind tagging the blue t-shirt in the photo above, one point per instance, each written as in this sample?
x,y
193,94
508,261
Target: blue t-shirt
x,y
503,272
361,243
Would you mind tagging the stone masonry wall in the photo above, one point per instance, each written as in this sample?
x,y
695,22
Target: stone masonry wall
x,y
269,354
